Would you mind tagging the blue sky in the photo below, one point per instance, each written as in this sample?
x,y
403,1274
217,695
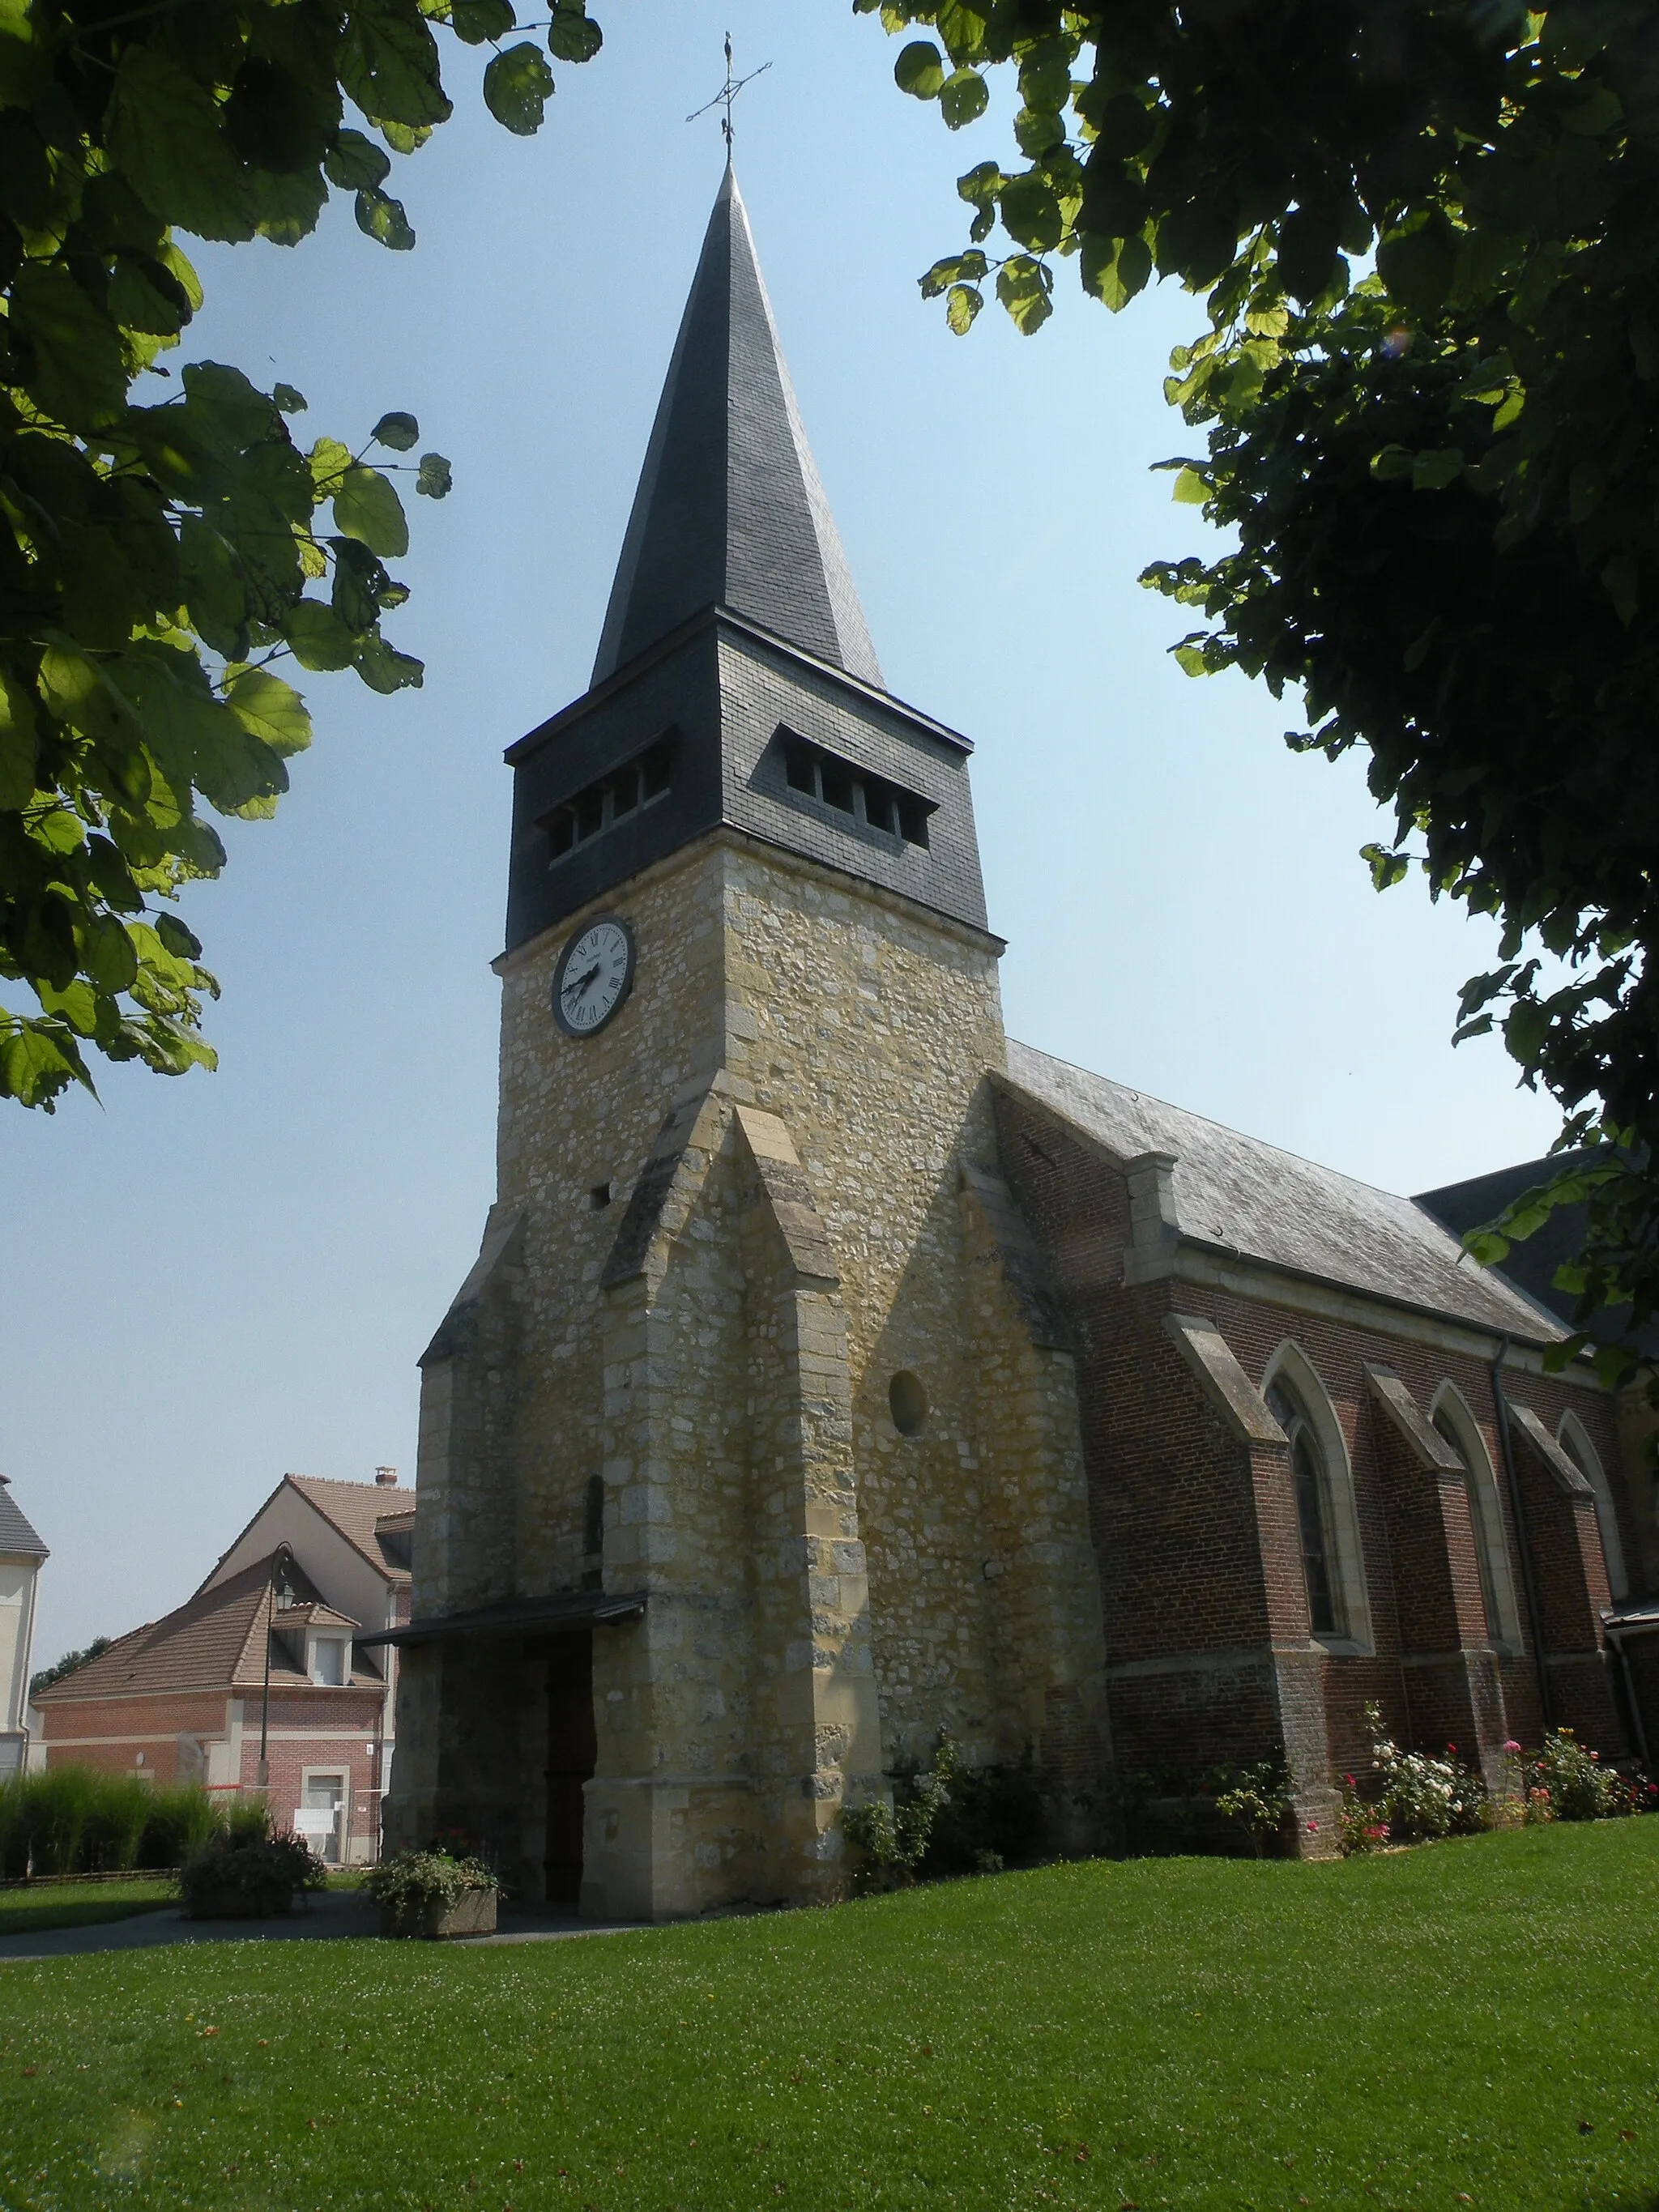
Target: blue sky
x,y
211,1281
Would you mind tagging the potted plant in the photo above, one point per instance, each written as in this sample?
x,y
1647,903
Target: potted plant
x,y
434,1893
248,1876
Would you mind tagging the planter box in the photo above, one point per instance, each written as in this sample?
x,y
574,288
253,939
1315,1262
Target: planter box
x,y
473,1913
231,1903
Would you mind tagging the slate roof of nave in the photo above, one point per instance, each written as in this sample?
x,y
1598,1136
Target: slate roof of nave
x,y
1244,1196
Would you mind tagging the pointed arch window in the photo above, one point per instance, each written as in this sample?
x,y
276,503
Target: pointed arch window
x,y
1314,1513
1455,1423
1574,1439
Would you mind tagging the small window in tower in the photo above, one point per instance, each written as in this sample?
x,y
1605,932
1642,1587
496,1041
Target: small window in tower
x,y
561,832
800,769
625,791
599,1197
837,784
881,807
653,772
913,813
590,812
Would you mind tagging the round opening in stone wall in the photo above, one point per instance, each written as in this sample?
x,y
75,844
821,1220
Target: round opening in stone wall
x,y
908,1402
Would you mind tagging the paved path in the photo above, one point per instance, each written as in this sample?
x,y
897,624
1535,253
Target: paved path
x,y
337,1913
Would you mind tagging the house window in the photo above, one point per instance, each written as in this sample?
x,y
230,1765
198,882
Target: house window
x,y
328,1662
869,800
618,796
1313,1513
1574,1440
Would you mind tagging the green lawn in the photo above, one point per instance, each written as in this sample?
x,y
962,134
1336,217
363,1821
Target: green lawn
x,y
1474,2023
79,1904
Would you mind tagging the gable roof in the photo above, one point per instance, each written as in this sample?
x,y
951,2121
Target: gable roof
x,y
1238,1195
214,1641
730,510
360,1510
17,1539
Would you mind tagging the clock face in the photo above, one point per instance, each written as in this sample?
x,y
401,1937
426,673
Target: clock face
x,y
594,975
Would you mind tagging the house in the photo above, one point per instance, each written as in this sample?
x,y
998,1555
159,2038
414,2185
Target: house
x,y
23,1555
837,1370
262,1681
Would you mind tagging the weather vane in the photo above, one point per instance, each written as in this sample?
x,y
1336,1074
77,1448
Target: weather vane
x,y
728,92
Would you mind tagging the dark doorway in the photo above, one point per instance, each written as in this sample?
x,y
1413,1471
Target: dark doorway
x,y
572,1749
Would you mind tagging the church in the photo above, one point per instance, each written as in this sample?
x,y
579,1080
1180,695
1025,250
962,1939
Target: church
x,y
836,1372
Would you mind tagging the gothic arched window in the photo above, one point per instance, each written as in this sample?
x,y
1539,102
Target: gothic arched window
x,y
1453,1421
1574,1440
1314,1513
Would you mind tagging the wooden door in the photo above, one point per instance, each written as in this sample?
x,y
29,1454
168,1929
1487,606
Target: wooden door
x,y
572,1749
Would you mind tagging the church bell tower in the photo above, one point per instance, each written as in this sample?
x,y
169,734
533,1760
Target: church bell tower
x,y
748,1454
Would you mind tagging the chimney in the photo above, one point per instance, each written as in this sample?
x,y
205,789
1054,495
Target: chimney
x,y
386,1477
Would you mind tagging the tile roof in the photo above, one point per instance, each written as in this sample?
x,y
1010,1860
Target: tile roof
x,y
1246,1197
214,1641
17,1539
360,1510
730,510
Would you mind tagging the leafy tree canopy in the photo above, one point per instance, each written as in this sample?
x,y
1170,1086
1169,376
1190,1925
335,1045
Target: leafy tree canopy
x,y
160,559
1427,233
67,1665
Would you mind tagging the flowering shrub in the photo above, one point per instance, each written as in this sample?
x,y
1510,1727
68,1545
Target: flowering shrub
x,y
1363,1827
893,1839
411,1880
254,1873
1260,1800
1565,1781
1422,1796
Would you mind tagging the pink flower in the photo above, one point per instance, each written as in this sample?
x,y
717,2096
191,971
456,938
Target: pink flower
x,y
1452,1749
1349,1779
1512,1748
1313,1827
1596,1754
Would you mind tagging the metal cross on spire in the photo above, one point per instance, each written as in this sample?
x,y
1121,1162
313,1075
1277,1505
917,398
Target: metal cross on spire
x,y
728,92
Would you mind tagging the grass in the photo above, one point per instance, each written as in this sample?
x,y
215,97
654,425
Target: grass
x,y
80,1904
1472,2023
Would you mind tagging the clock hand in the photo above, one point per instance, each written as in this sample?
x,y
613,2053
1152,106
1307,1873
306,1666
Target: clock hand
x,y
588,979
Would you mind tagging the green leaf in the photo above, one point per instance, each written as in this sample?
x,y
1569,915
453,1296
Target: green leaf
x,y
1433,471
366,507
1030,212
36,1060
270,710
963,98
17,744
319,637
1393,464
517,87
165,134
144,295
1387,868
1023,288
399,432
288,399
355,163
1591,116
1191,489
1620,578
107,954
479,21
388,62
570,36
383,670
1417,261
1114,270
76,374
919,69
961,303
433,479
381,217
329,461
77,690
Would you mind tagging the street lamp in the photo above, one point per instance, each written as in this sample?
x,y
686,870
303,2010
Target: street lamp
x,y
280,1557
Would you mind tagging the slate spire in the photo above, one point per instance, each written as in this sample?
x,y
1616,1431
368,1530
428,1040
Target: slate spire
x,y
729,509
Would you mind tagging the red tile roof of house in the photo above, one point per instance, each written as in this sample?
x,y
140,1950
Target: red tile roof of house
x,y
359,1511
214,1641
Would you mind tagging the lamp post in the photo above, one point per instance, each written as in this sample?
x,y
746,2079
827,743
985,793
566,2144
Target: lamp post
x,y
280,1557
